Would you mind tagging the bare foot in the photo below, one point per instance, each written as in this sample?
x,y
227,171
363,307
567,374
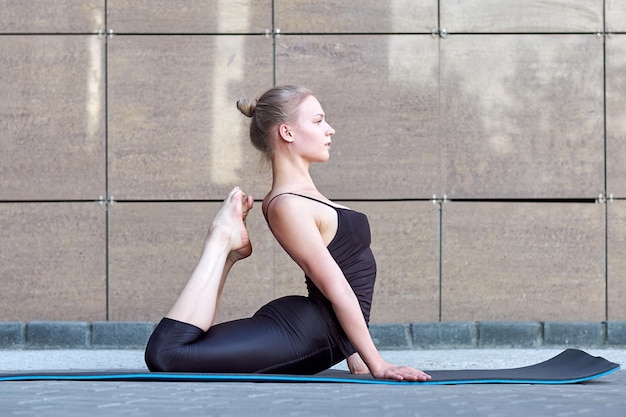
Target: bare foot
x,y
245,249
229,224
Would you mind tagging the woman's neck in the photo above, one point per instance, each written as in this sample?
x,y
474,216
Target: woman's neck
x,y
289,175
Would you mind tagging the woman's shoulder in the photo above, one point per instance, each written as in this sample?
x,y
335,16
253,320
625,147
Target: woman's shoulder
x,y
304,198
281,200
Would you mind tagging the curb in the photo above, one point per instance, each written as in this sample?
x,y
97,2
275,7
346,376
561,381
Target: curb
x,y
74,335
433,335
498,334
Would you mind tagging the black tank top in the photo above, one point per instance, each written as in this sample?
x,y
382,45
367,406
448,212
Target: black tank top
x,y
350,248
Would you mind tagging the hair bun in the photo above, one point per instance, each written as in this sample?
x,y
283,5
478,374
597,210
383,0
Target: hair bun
x,y
246,106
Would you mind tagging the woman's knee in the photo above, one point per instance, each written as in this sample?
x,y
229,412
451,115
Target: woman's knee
x,y
155,355
152,357
168,339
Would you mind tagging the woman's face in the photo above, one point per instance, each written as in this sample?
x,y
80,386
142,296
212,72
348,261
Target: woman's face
x,y
311,132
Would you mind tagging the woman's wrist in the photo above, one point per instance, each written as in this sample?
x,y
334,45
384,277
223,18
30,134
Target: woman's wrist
x,y
375,363
357,365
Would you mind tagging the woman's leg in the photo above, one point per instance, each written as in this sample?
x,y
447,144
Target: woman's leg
x,y
288,335
226,243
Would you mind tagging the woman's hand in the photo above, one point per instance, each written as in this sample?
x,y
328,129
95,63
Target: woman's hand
x,y
356,365
400,373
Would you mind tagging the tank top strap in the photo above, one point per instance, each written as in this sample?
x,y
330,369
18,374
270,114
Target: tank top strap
x,y
267,208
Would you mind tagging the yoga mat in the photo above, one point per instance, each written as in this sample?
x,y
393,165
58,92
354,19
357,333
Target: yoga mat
x,y
570,366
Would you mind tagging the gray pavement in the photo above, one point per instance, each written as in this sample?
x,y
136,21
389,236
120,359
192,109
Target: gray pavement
x,y
602,397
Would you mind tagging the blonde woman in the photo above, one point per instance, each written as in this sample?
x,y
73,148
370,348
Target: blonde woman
x,y
330,243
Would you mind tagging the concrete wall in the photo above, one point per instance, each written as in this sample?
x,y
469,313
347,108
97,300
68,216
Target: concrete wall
x,y
119,137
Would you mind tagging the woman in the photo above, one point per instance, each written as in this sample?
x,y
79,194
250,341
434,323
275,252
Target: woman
x,y
298,335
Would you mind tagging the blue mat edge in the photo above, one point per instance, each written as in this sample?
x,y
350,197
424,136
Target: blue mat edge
x,y
171,377
560,363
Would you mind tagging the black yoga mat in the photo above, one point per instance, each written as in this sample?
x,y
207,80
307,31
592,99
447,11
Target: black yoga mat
x,y
570,366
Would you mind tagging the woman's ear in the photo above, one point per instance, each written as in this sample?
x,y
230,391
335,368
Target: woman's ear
x,y
285,133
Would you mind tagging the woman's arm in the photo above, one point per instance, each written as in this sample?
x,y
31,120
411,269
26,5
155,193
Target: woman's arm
x,y
296,226
356,364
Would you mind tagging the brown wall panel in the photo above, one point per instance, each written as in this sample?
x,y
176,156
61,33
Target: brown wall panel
x,y
405,243
616,252
52,117
521,16
53,261
174,130
616,15
154,247
380,94
616,115
517,113
522,116
523,262
45,16
337,16
189,16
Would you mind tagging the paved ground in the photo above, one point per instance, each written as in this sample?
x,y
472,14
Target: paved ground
x,y
604,397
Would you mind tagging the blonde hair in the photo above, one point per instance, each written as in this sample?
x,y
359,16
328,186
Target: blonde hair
x,y
276,106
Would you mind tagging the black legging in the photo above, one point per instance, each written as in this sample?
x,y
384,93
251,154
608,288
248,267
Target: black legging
x,y
288,335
